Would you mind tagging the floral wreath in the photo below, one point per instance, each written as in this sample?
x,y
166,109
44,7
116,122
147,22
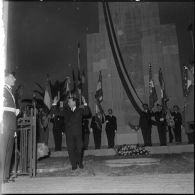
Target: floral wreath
x,y
133,150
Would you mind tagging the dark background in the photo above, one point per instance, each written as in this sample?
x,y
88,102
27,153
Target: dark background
x,y
43,36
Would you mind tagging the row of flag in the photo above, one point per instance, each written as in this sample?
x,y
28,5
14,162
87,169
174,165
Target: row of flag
x,y
153,98
79,83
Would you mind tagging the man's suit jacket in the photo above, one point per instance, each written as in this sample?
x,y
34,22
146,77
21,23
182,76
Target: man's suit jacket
x,y
9,118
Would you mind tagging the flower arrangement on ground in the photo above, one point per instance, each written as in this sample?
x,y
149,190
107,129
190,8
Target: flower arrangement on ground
x,y
133,150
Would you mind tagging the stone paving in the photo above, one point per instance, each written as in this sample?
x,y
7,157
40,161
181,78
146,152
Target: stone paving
x,y
161,183
98,177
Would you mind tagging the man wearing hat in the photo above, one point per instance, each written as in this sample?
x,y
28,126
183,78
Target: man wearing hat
x,y
73,114
9,124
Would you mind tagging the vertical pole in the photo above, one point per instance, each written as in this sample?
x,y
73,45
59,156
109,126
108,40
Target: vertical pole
x,y
34,142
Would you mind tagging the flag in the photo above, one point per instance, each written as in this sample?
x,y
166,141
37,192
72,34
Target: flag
x,y
188,80
96,108
152,90
162,86
67,90
79,86
74,81
99,91
47,95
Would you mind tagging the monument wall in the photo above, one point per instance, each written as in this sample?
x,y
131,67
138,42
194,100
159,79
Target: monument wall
x,y
142,40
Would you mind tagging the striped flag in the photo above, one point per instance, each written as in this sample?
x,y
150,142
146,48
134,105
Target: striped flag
x,y
47,95
162,86
79,85
99,91
67,89
152,90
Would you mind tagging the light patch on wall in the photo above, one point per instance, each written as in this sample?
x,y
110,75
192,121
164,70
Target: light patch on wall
x,y
3,21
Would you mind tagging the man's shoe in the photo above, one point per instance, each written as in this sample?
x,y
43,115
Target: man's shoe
x,y
74,168
81,165
8,180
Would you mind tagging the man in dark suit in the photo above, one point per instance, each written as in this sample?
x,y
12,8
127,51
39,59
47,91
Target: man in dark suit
x,y
178,122
58,126
96,127
9,124
160,118
73,114
85,130
111,128
145,123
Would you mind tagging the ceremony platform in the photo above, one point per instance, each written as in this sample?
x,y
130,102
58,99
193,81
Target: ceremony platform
x,y
155,149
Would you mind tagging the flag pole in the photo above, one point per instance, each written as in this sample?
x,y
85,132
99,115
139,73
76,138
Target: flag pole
x,y
79,70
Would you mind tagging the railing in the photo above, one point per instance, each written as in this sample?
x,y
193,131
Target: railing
x,y
26,152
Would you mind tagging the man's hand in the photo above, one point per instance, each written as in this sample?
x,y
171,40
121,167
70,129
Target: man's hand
x,y
55,101
83,100
91,130
17,112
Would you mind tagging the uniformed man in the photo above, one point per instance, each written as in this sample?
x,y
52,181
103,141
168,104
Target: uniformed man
x,y
9,124
111,128
73,114
178,122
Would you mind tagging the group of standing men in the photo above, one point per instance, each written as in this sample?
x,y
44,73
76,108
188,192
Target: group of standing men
x,y
164,120
94,126
73,120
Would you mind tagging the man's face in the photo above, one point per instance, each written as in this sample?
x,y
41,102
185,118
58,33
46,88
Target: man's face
x,y
71,103
159,108
145,107
110,111
10,80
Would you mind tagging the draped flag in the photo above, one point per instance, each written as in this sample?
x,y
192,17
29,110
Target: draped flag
x,y
47,96
162,86
152,90
99,91
79,85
